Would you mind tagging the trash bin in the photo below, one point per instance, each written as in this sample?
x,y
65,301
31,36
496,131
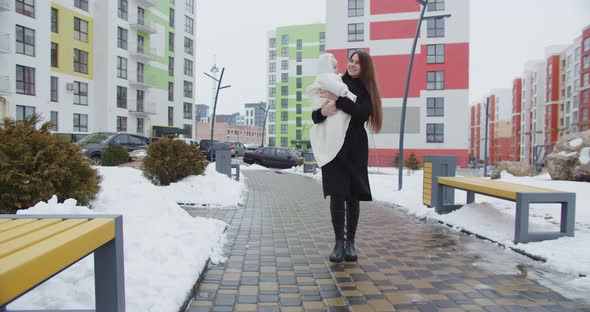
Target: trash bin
x,y
434,167
309,163
221,155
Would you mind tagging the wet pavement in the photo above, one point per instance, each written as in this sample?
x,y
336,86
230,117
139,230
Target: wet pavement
x,y
278,246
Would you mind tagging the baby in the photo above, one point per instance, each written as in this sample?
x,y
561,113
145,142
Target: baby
x,y
328,136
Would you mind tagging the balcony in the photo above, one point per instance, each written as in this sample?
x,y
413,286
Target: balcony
x,y
141,81
141,108
142,25
142,54
4,85
148,3
4,43
5,5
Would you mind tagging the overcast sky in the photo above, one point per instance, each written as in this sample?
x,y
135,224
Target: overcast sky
x,y
504,34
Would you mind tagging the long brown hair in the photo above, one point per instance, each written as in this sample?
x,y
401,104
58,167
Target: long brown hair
x,y
369,81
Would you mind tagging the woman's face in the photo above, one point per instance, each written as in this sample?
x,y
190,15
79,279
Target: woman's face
x,y
354,66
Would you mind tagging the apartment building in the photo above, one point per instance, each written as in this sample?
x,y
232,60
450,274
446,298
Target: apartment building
x,y
116,65
293,52
438,101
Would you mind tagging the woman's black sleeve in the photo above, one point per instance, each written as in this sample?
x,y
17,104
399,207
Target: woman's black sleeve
x,y
361,109
317,116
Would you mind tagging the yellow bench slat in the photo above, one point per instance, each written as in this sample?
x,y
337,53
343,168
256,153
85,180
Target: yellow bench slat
x,y
4,220
427,165
25,229
487,187
37,236
14,223
506,185
26,268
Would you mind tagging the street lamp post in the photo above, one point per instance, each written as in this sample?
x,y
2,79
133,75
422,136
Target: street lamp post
x,y
264,123
424,4
485,151
219,87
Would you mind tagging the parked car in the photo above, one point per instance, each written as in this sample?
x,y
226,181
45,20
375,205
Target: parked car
x,y
273,157
93,144
187,141
237,149
252,146
210,153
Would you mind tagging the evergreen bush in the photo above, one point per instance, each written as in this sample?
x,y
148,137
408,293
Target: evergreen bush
x,y
412,162
395,161
169,161
114,155
34,165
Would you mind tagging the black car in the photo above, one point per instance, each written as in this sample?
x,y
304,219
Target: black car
x,y
93,144
273,157
204,145
215,146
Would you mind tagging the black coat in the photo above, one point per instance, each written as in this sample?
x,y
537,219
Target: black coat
x,y
346,175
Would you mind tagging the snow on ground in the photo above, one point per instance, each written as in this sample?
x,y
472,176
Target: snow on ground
x,y
494,218
252,167
165,248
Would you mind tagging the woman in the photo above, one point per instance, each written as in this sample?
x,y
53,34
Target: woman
x,y
345,178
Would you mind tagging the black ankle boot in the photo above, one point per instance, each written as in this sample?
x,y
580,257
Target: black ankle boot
x,y
338,253
349,251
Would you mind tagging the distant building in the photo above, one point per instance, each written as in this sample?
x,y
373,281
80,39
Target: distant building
x,y
255,114
202,113
231,119
225,131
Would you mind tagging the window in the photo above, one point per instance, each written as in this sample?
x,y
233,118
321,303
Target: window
x,y
140,16
170,116
140,125
272,67
80,61
121,97
140,44
121,124
123,9
299,56
80,29
122,38
586,62
322,49
272,92
140,97
436,28
298,95
298,109
54,54
140,72
188,67
284,103
24,112
586,43
271,117
272,42
188,25
272,55
284,116
299,44
188,46
435,80
272,79
272,104
299,69
298,134
284,65
121,67
188,131
298,121
284,90
435,107
298,83
436,54
586,80
54,121
284,52
170,91
25,80
171,41
284,142
80,123
188,89
356,32
54,17
188,110
285,39
271,140
356,7
80,93
436,5
171,23
435,132
189,6
284,77
284,129
54,87
322,36
26,7
81,4
25,40
170,66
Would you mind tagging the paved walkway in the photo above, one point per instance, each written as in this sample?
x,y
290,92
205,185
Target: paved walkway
x,y
278,247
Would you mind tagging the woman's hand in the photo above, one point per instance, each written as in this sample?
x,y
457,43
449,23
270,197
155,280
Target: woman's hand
x,y
329,108
328,95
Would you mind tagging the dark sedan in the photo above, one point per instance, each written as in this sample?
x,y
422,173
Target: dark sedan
x,y
273,157
93,144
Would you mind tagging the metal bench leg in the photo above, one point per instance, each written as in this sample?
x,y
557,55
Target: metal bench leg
x,y
439,198
568,213
521,227
109,279
470,197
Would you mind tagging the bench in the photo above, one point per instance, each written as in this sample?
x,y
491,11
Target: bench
x,y
523,195
33,248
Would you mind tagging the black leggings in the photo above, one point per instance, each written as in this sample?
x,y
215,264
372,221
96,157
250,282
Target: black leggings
x,y
338,211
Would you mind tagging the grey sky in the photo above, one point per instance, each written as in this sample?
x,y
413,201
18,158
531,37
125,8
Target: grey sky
x,y
502,38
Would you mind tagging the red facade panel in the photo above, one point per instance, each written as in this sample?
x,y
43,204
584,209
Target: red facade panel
x,y
553,78
584,115
403,29
502,150
396,6
492,134
516,111
385,157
